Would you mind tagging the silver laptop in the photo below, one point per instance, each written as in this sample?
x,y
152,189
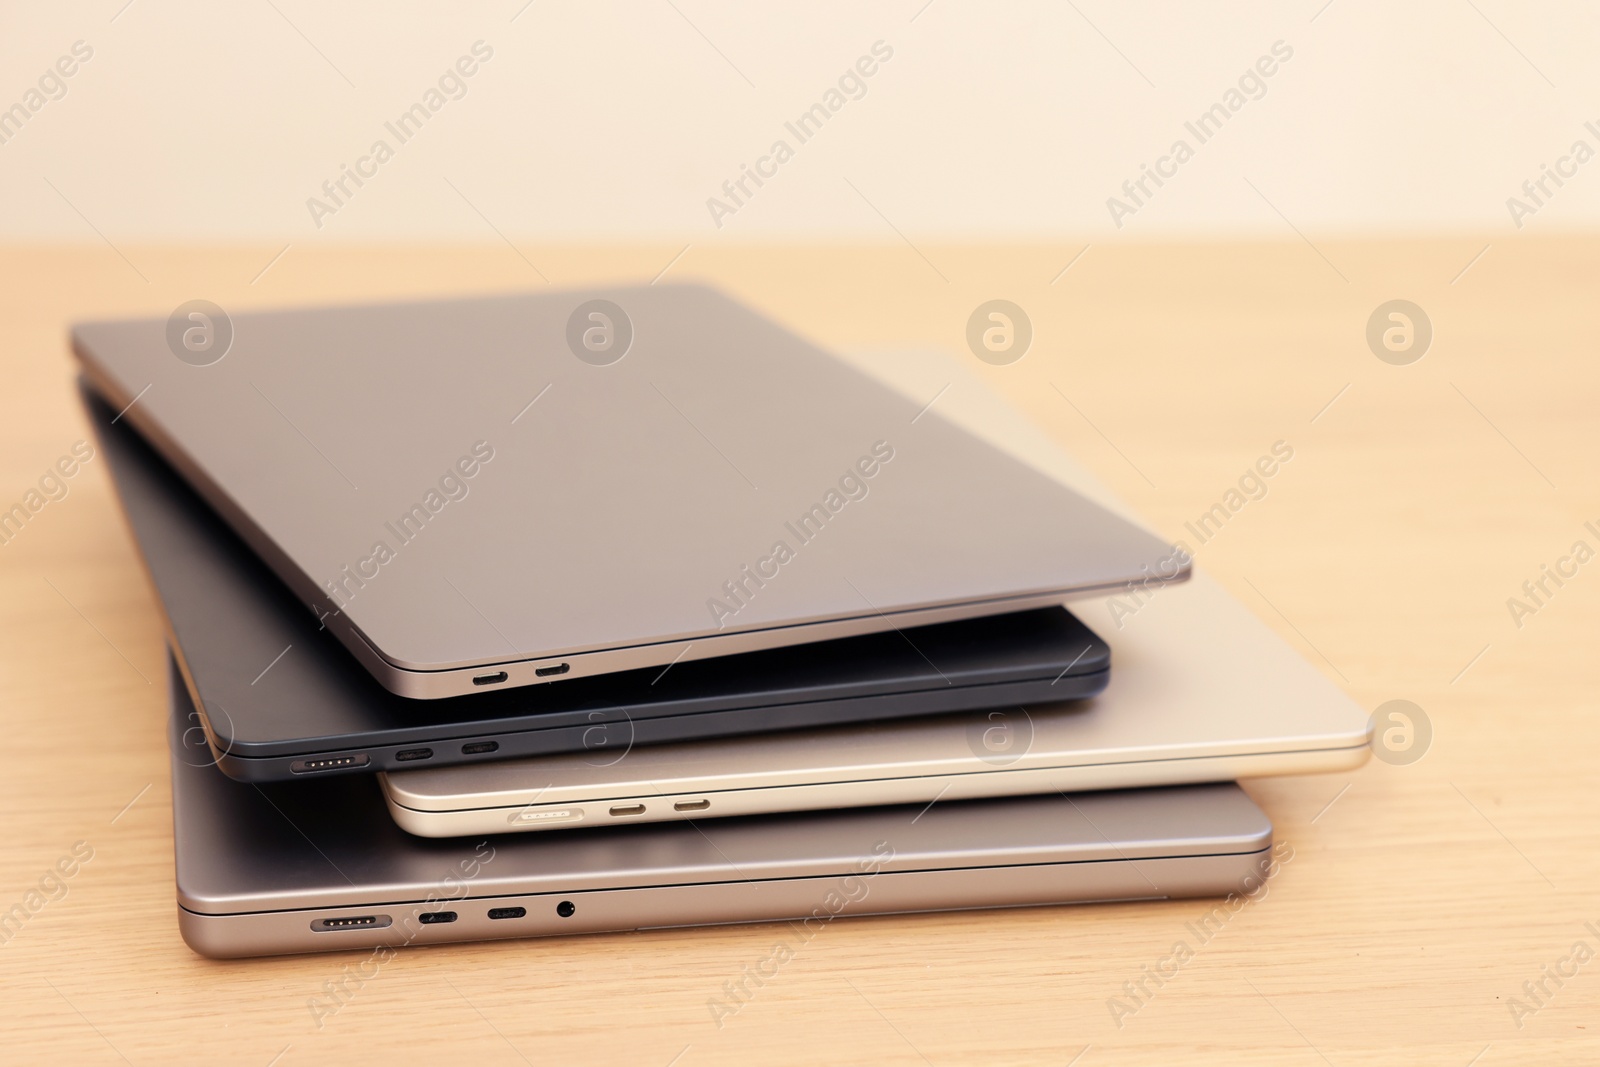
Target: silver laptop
x,y
472,495
319,865
1203,692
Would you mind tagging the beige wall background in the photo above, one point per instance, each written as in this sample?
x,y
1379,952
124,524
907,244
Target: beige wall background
x,y
217,121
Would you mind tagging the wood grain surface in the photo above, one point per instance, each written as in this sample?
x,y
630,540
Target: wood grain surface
x,y
1424,900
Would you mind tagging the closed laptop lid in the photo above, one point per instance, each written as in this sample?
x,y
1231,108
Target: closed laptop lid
x,y
272,683
467,488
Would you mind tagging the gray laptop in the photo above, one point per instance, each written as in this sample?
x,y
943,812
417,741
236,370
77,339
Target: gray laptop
x,y
318,865
279,698
470,496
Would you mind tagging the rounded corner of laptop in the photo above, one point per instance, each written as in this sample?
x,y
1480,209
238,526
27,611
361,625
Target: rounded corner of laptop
x,y
207,934
1350,758
418,822
1081,685
403,678
394,792
1097,658
1353,740
243,768
1185,564
1261,838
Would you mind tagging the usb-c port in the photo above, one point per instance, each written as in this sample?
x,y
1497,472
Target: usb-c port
x,y
490,679
691,805
507,913
628,809
550,672
407,754
428,918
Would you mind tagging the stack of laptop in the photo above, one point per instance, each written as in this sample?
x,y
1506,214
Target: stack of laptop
x,y
583,612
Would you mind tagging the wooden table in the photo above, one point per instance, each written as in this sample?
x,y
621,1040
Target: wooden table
x,y
1421,897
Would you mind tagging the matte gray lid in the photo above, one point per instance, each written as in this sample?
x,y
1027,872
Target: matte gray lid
x,y
616,508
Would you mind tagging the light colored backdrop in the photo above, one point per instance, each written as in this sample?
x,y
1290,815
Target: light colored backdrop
x,y
197,121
